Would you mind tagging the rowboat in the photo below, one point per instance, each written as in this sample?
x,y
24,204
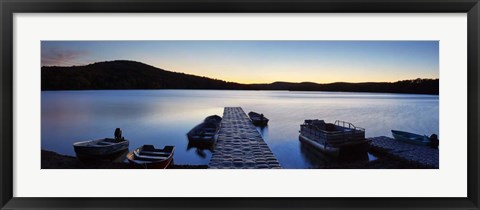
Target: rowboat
x,y
258,119
339,139
411,138
100,148
206,131
147,156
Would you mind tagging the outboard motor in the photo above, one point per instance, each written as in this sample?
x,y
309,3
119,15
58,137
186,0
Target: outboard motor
x,y
434,142
118,134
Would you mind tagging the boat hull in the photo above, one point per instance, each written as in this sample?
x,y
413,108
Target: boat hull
x,y
214,119
154,165
258,119
331,151
89,150
410,138
204,133
154,159
260,122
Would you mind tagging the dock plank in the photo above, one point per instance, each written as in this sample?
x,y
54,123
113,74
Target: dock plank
x,y
239,145
422,155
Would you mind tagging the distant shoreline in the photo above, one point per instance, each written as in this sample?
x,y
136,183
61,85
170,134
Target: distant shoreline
x,y
432,94
131,75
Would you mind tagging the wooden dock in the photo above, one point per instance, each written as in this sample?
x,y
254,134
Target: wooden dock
x,y
422,156
240,145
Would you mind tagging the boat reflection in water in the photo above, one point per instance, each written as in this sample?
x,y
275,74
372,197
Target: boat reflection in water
x,y
321,160
315,158
263,130
149,157
200,148
204,136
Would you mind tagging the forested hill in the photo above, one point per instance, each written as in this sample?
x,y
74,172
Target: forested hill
x,y
124,75
135,75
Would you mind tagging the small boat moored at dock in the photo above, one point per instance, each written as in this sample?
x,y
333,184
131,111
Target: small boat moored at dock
x,y
147,156
411,138
258,119
339,139
100,148
205,132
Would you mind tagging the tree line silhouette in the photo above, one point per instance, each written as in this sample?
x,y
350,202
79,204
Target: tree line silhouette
x,y
113,75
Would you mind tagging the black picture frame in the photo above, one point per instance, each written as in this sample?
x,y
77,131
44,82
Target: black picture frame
x,y
10,7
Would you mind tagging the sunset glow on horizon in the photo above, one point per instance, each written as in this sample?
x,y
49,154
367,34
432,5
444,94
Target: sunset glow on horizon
x,y
262,61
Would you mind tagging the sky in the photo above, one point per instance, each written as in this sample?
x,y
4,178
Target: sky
x,y
262,61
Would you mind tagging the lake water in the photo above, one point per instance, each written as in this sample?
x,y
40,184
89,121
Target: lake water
x,y
163,117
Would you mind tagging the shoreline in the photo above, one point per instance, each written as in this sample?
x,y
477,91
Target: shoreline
x,y
53,160
75,90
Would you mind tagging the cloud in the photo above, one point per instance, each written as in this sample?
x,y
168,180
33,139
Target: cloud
x,y
62,57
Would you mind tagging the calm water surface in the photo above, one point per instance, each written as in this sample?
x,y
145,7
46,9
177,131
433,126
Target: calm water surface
x,y
163,117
